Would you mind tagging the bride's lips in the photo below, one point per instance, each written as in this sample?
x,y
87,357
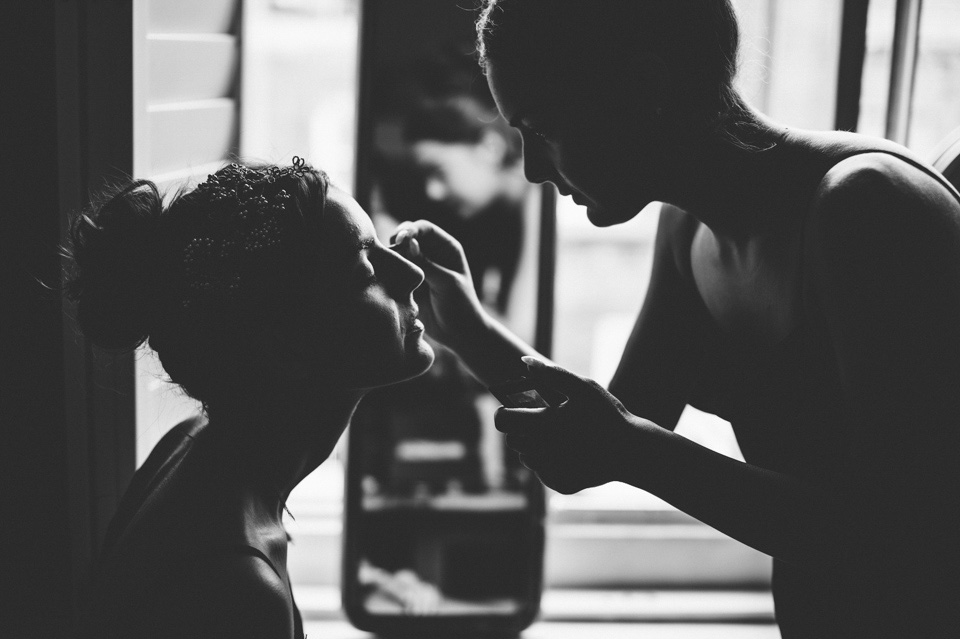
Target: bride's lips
x,y
414,325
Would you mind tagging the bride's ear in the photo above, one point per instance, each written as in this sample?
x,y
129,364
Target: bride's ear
x,y
285,356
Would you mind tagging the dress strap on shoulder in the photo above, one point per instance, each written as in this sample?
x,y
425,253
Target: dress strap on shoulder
x,y
932,172
252,551
150,478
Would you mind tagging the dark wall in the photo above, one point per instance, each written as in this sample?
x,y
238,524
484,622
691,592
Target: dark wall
x,y
66,415
33,505
420,47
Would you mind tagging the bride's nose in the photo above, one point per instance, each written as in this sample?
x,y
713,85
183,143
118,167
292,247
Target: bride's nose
x,y
405,276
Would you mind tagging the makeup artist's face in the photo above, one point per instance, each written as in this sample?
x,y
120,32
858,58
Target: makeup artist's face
x,y
591,144
370,334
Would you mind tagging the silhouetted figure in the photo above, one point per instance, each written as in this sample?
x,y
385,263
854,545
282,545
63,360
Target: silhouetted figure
x,y
805,287
267,297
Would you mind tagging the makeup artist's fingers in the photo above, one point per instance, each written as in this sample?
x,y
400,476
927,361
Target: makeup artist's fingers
x,y
433,244
521,444
523,422
566,382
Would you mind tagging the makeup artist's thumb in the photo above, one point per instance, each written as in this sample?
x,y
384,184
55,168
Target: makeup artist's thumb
x,y
555,377
431,270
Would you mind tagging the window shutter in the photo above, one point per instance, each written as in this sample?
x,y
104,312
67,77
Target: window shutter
x,y
186,86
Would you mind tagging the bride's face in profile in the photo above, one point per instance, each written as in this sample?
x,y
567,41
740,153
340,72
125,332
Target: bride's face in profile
x,y
369,334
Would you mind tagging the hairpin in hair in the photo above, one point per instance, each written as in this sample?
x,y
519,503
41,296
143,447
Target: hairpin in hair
x,y
244,213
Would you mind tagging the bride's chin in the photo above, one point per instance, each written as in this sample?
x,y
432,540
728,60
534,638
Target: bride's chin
x,y
424,357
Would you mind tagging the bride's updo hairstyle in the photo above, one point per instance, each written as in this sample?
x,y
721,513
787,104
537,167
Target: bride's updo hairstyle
x,y
595,41
197,277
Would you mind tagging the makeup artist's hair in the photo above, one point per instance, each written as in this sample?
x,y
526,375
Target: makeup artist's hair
x,y
697,40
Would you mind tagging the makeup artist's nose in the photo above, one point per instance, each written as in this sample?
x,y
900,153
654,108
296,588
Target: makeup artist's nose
x,y
537,167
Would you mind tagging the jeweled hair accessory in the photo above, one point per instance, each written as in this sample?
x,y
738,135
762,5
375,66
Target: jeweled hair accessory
x,y
244,209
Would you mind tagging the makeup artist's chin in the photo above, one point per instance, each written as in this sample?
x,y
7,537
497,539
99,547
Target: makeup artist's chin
x,y
609,217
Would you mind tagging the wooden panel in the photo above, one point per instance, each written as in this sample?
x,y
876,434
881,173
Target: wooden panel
x,y
190,134
193,16
191,67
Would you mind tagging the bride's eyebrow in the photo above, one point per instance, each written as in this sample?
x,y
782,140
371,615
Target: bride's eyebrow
x,y
362,244
348,255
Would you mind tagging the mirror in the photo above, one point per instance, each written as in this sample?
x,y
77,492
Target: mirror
x,y
444,525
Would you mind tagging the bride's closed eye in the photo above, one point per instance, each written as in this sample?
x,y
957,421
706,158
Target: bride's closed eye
x,y
364,273
367,277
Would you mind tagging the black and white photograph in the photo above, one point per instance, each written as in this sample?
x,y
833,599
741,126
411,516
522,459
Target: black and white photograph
x,y
480,319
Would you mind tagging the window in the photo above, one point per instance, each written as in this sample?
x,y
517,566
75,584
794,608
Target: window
x,y
936,99
933,77
186,58
300,83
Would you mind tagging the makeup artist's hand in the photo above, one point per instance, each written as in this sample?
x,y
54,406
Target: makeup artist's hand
x,y
579,444
449,306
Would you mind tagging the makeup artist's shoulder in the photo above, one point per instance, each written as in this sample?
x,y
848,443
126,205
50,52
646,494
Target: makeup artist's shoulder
x,y
879,204
882,186
859,166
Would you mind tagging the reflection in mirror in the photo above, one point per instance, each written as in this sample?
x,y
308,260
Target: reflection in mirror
x,y
443,520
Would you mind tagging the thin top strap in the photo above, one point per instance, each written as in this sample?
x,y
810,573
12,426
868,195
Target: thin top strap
x,y
936,175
